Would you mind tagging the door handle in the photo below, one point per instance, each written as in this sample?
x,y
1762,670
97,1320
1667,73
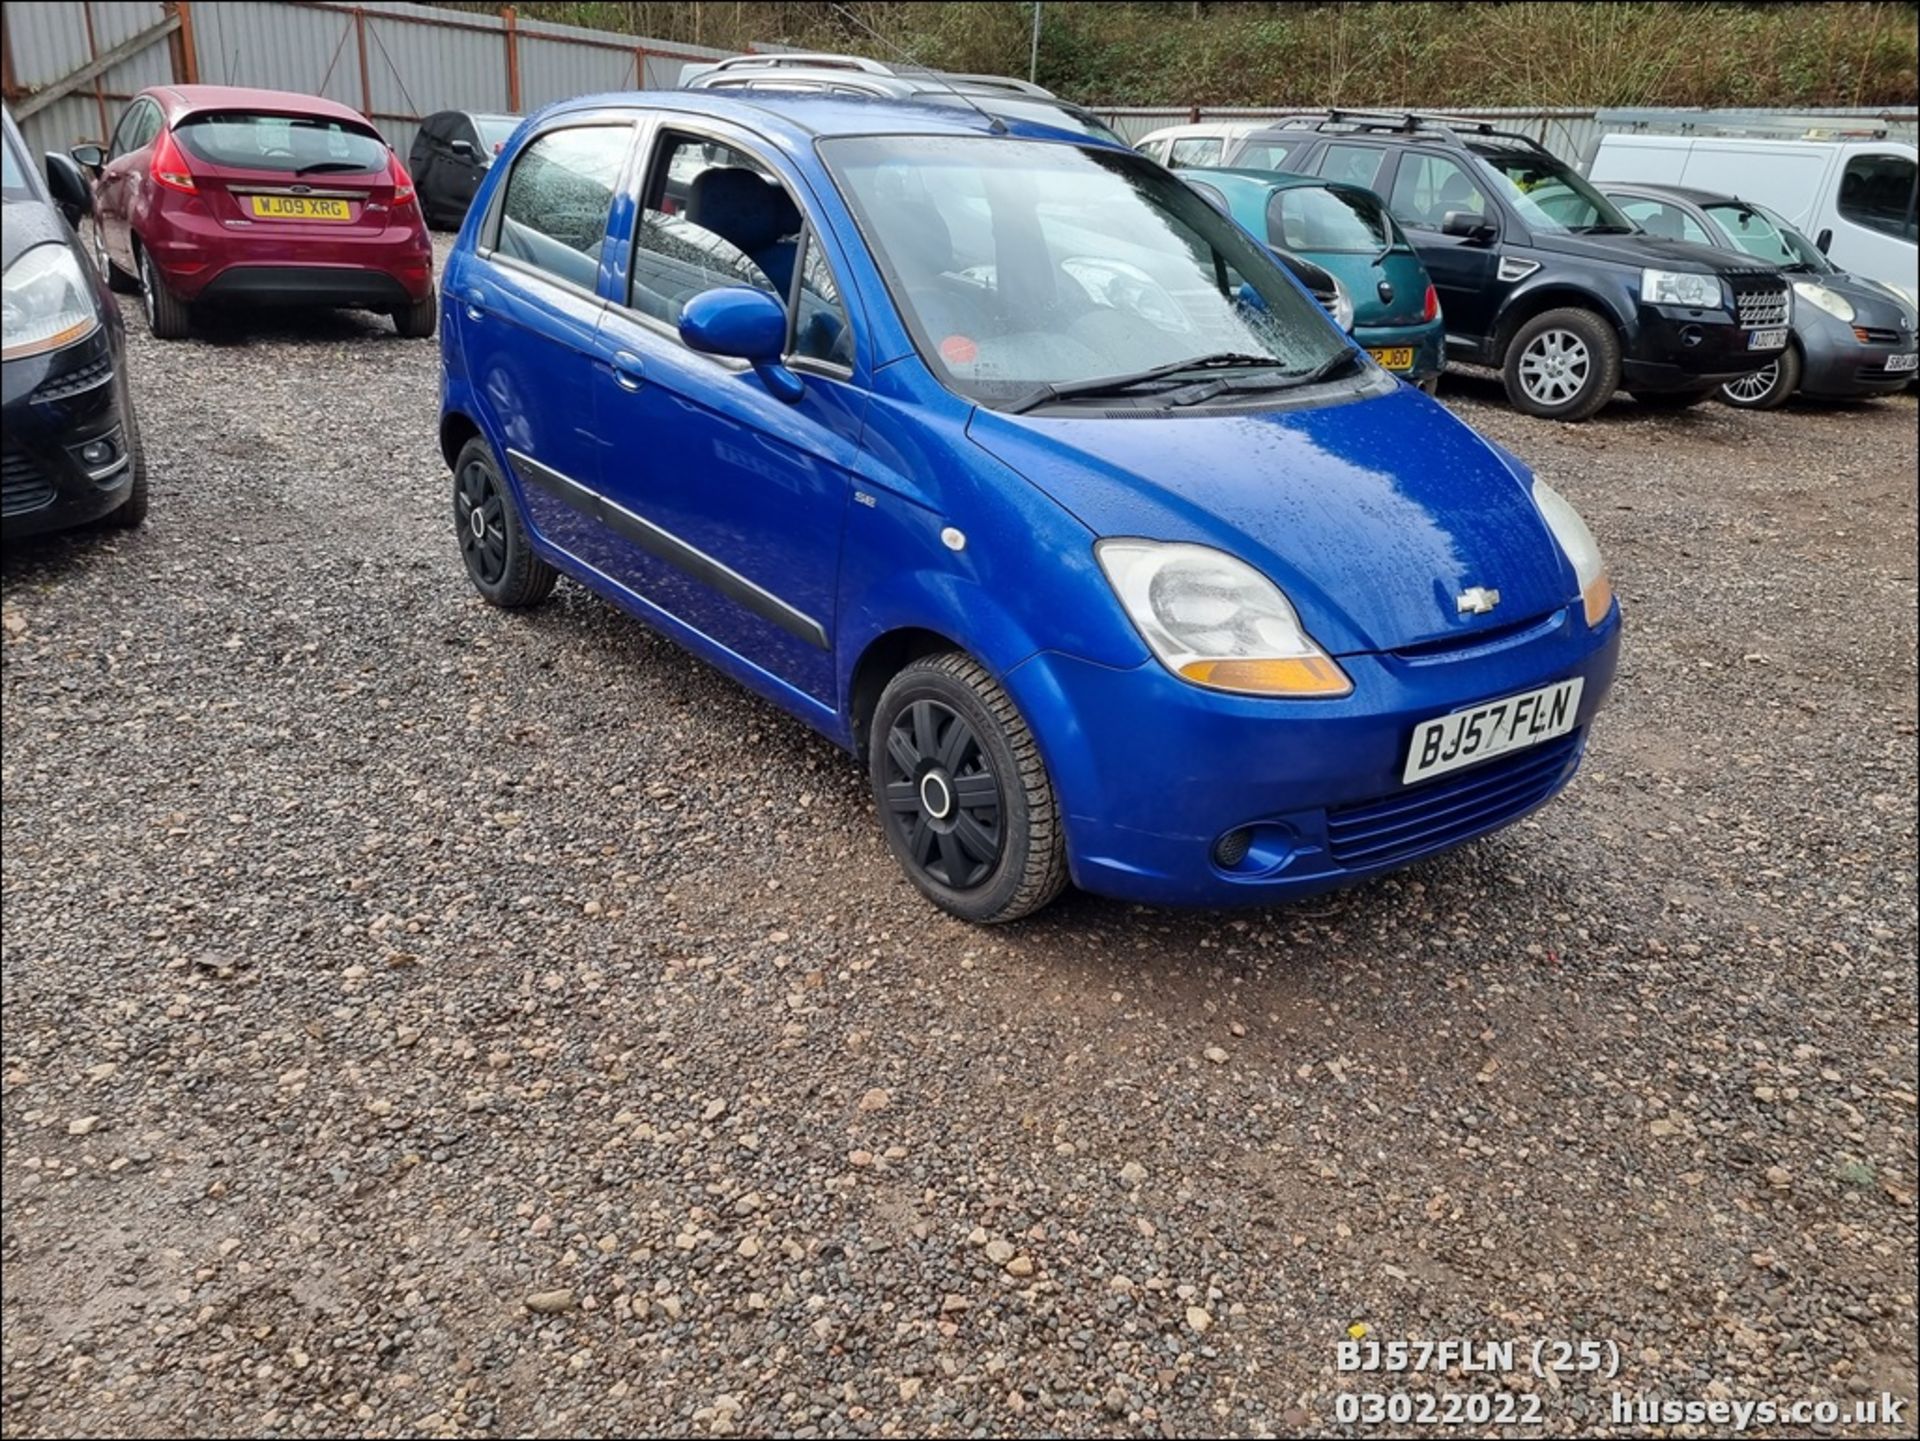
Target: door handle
x,y
475,310
629,371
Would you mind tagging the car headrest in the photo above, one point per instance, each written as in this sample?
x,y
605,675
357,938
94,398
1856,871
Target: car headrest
x,y
741,207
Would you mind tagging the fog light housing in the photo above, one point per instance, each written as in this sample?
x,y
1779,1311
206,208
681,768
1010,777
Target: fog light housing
x,y
97,453
1232,848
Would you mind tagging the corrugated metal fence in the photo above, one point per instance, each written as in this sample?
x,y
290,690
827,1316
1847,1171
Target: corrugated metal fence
x,y
396,63
1574,134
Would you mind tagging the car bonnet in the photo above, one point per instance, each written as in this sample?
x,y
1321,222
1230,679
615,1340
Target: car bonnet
x,y
1373,516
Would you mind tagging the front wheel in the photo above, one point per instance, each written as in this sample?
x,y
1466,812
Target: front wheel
x,y
1768,388
964,798
1563,365
132,512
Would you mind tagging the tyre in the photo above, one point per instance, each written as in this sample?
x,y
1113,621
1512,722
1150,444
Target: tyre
x,y
416,321
132,511
1563,365
1430,386
964,799
118,281
168,316
1766,389
493,539
1673,399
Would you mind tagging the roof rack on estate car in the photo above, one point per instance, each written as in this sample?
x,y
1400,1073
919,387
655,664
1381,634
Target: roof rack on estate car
x,y
1410,122
817,61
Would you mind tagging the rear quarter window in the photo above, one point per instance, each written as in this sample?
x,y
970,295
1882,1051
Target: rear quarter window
x,y
287,144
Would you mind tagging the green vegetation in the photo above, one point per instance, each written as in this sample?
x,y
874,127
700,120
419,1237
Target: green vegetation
x,y
1435,55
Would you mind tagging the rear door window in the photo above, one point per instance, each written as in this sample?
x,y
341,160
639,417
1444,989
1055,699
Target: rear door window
x,y
1200,150
553,215
1352,164
281,144
1877,191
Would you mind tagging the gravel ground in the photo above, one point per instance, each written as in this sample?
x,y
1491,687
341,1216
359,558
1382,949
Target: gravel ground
x,y
425,1019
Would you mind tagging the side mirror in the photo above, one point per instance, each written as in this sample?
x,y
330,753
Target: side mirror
x,y
462,147
1465,225
91,156
1823,240
69,187
747,325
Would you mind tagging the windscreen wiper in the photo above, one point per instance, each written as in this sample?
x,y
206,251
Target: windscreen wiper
x,y
1120,384
320,165
1287,380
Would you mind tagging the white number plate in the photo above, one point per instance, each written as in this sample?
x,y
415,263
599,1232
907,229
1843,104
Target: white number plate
x,y
1897,363
1767,340
1451,741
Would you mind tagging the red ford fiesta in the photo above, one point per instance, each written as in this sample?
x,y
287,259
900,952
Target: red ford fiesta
x,y
213,194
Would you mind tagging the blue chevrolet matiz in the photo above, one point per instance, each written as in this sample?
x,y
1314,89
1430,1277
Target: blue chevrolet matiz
x,y
1001,457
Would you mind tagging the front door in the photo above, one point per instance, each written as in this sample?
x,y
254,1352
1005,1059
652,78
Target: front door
x,y
733,499
1465,272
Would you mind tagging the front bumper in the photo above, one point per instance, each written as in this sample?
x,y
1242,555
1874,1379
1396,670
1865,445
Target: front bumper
x,y
1151,772
1838,365
1679,349
1426,340
51,407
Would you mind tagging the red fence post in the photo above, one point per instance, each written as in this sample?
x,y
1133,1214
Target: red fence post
x,y
512,33
360,38
186,63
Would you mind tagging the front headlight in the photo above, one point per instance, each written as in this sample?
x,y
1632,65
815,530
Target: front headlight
x,y
1680,287
1579,547
46,302
1342,305
1831,301
1216,621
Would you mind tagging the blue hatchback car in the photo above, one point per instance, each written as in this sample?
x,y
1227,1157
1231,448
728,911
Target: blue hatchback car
x,y
1001,457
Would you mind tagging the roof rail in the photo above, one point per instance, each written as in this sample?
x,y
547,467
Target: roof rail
x,y
999,82
805,61
1411,122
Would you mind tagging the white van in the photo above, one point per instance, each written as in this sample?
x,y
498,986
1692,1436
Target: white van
x,y
1854,197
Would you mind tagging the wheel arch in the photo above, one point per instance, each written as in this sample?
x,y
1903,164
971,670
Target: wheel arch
x,y
883,658
1526,304
456,429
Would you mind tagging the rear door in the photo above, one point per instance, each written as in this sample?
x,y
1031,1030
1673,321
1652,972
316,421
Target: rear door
x,y
525,312
282,181
122,176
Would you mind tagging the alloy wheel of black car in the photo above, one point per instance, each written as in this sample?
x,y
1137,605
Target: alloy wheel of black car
x,y
942,798
965,801
479,511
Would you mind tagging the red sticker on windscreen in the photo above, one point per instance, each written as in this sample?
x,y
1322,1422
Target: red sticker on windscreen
x,y
959,350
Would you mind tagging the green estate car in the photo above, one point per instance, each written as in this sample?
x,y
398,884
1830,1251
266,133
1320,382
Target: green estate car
x,y
1346,230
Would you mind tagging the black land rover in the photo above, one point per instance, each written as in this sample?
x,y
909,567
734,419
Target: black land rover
x,y
1538,273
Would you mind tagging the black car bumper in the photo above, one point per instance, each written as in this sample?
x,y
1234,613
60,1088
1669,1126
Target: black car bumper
x,y
291,285
68,447
1677,349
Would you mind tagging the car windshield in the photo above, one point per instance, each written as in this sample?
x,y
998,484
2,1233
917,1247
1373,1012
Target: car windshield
x,y
1759,232
1551,197
1026,264
1342,222
494,129
15,177
291,144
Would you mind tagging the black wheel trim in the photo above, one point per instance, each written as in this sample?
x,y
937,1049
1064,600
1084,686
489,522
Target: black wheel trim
x,y
961,849
485,549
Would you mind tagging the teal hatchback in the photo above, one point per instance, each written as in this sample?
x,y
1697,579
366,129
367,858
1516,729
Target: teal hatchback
x,y
1347,231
